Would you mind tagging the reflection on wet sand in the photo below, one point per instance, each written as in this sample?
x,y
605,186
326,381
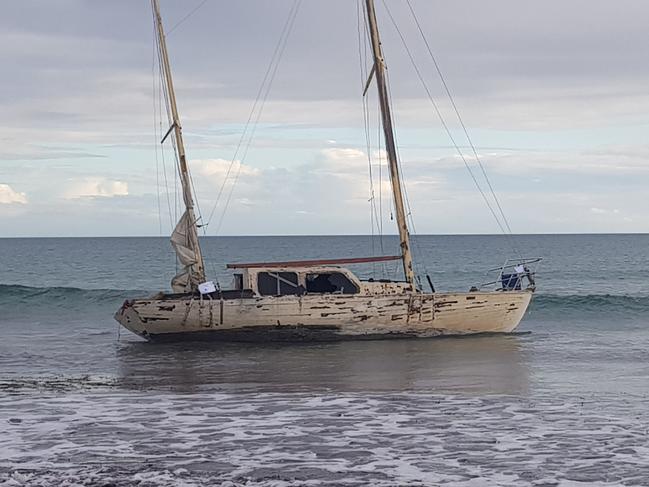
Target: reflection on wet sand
x,y
479,365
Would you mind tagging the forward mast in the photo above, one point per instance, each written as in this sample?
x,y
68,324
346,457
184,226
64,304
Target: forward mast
x,y
185,235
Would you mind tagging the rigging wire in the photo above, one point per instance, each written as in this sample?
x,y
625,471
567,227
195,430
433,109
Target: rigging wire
x,y
250,126
255,124
447,129
457,113
164,88
177,172
248,121
379,153
375,218
419,257
170,121
379,156
155,135
174,143
158,97
192,12
162,93
363,74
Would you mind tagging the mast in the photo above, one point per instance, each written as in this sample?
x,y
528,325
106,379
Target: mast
x,y
196,268
390,146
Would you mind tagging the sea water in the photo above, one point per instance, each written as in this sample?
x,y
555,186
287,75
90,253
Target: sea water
x,y
564,401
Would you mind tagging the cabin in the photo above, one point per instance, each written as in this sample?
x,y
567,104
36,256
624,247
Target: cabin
x,y
300,278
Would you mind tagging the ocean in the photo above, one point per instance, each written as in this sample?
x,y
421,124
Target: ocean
x,y
561,402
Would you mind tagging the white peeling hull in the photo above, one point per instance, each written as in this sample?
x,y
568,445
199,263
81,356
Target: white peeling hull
x,y
325,317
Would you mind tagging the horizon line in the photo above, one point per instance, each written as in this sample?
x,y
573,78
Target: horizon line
x,y
332,235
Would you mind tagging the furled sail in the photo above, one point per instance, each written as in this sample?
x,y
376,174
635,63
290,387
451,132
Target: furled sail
x,y
188,256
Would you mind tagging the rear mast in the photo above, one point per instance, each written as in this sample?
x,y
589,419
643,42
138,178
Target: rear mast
x,y
199,266
390,146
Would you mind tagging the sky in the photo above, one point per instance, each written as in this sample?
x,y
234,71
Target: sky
x,y
554,95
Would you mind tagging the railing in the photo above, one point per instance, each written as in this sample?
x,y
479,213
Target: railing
x,y
513,275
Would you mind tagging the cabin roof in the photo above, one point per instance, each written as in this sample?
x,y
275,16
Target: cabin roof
x,y
313,263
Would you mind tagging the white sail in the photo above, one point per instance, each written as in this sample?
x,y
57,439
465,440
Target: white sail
x,y
181,240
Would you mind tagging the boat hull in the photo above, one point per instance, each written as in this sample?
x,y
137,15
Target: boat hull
x,y
324,317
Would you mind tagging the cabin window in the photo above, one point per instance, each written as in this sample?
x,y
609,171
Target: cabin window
x,y
278,283
237,282
330,282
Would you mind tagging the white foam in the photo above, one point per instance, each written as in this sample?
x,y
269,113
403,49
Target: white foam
x,y
326,439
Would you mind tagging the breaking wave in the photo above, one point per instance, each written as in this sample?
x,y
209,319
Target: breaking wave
x,y
12,294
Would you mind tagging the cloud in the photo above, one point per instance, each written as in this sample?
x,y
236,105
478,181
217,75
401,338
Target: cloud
x,y
32,152
603,211
613,160
96,188
329,191
218,169
8,196
553,96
